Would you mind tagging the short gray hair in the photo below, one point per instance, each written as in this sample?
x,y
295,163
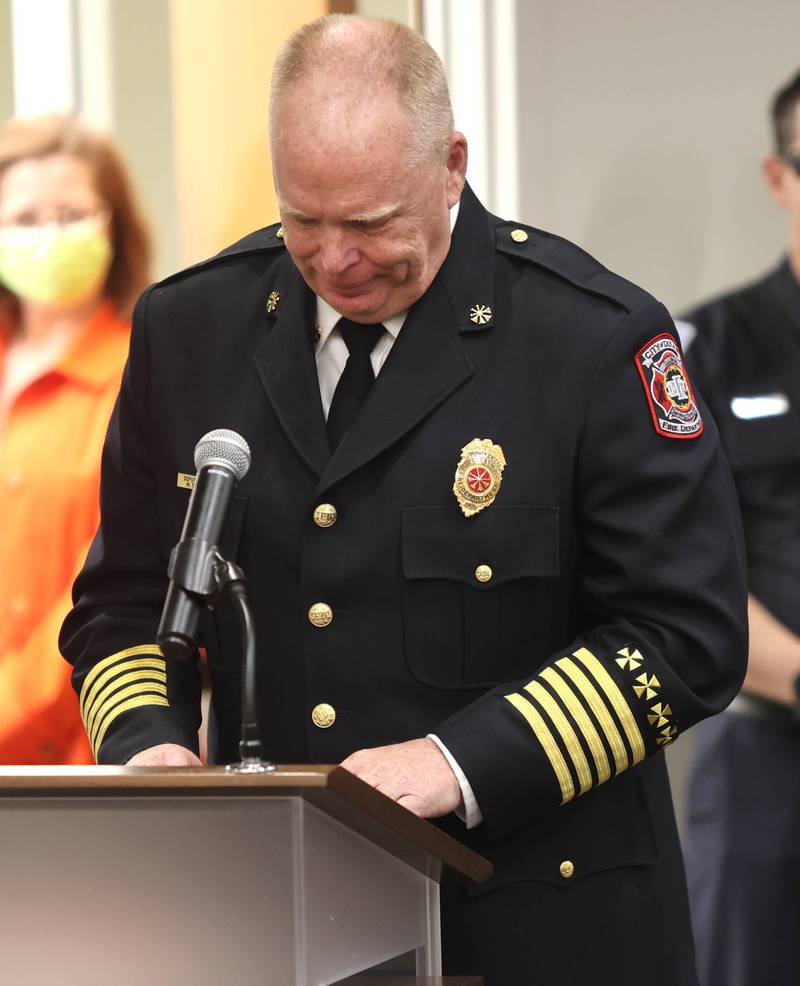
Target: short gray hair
x,y
382,54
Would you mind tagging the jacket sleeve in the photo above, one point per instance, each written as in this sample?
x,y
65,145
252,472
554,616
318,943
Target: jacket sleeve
x,y
131,698
662,575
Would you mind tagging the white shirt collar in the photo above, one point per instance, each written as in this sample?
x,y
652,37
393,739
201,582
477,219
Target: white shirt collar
x,y
327,316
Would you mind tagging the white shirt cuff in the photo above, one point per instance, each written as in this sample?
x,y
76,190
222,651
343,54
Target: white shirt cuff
x,y
470,813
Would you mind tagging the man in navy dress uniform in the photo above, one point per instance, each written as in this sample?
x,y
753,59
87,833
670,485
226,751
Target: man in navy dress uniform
x,y
491,540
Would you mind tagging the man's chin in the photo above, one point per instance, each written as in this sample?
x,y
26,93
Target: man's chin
x,y
364,307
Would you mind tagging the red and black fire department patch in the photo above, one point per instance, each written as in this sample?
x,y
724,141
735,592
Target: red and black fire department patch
x,y
669,393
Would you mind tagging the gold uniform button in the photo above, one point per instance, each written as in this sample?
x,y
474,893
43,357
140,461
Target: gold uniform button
x,y
323,715
483,573
567,869
320,614
325,515
519,235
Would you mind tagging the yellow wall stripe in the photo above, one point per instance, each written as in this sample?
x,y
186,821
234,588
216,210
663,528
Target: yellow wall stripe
x,y
117,698
621,707
133,703
578,713
549,745
567,733
101,699
112,659
598,706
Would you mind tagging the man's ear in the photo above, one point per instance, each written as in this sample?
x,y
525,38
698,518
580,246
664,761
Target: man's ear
x,y
774,170
457,167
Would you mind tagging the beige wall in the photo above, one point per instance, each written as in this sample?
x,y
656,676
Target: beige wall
x,y
141,113
222,57
641,130
6,64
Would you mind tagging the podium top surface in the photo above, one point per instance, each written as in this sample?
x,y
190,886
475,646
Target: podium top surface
x,y
332,789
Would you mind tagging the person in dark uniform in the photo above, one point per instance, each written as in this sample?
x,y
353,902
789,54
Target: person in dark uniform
x,y
493,549
743,847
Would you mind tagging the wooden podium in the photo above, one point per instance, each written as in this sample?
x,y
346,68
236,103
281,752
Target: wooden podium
x,y
304,876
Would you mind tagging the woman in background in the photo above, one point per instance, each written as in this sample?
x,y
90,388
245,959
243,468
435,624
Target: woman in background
x,y
74,255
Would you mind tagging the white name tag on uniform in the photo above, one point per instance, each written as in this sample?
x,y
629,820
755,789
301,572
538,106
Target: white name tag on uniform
x,y
763,406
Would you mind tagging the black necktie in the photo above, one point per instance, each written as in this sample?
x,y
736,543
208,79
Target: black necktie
x,y
356,379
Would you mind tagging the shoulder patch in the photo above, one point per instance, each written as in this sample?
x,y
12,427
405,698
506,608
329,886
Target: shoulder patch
x,y
669,393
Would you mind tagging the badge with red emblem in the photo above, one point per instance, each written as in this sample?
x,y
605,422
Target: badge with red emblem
x,y
478,475
669,393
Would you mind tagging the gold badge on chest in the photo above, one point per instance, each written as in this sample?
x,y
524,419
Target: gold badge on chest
x,y
478,475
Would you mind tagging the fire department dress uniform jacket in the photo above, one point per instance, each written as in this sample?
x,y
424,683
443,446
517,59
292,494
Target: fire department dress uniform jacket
x,y
614,617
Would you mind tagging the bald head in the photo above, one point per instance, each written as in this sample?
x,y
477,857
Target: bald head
x,y
332,73
366,163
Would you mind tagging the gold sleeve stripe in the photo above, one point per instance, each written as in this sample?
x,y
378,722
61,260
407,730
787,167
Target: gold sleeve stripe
x,y
598,707
133,703
89,699
549,745
107,695
152,649
621,707
567,733
118,697
578,713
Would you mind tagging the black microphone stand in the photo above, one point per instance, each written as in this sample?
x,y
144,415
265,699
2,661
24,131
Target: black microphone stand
x,y
230,582
209,576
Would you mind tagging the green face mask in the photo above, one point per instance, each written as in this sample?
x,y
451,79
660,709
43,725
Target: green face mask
x,y
55,265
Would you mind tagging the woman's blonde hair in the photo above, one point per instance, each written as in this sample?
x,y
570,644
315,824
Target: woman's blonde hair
x,y
38,137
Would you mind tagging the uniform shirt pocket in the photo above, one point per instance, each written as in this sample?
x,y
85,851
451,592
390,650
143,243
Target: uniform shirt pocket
x,y
476,592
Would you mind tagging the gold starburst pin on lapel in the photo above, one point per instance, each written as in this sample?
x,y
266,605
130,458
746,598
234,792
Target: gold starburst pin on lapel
x,y
480,314
272,302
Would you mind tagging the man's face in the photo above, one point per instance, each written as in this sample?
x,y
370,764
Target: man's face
x,y
367,231
784,184
792,184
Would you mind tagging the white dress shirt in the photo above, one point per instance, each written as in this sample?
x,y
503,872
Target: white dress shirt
x,y
331,355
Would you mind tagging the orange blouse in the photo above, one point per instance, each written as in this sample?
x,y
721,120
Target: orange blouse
x,y
50,445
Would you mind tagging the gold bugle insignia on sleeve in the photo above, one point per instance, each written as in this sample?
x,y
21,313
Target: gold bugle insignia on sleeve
x,y
617,700
646,686
659,714
128,679
667,735
548,744
629,659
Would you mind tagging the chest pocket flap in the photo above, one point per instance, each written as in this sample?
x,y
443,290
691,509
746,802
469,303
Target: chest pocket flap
x,y
476,591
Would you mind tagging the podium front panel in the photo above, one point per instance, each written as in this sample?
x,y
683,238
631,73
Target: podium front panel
x,y
202,890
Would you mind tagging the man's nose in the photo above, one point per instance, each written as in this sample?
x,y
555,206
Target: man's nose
x,y
337,251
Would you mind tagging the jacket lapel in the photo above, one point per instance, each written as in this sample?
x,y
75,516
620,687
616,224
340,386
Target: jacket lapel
x,y
428,361
287,369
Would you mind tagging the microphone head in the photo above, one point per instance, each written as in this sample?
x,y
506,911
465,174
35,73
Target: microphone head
x,y
223,447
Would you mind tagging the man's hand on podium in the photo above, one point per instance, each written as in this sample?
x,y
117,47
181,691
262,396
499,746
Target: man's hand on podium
x,y
414,774
165,755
